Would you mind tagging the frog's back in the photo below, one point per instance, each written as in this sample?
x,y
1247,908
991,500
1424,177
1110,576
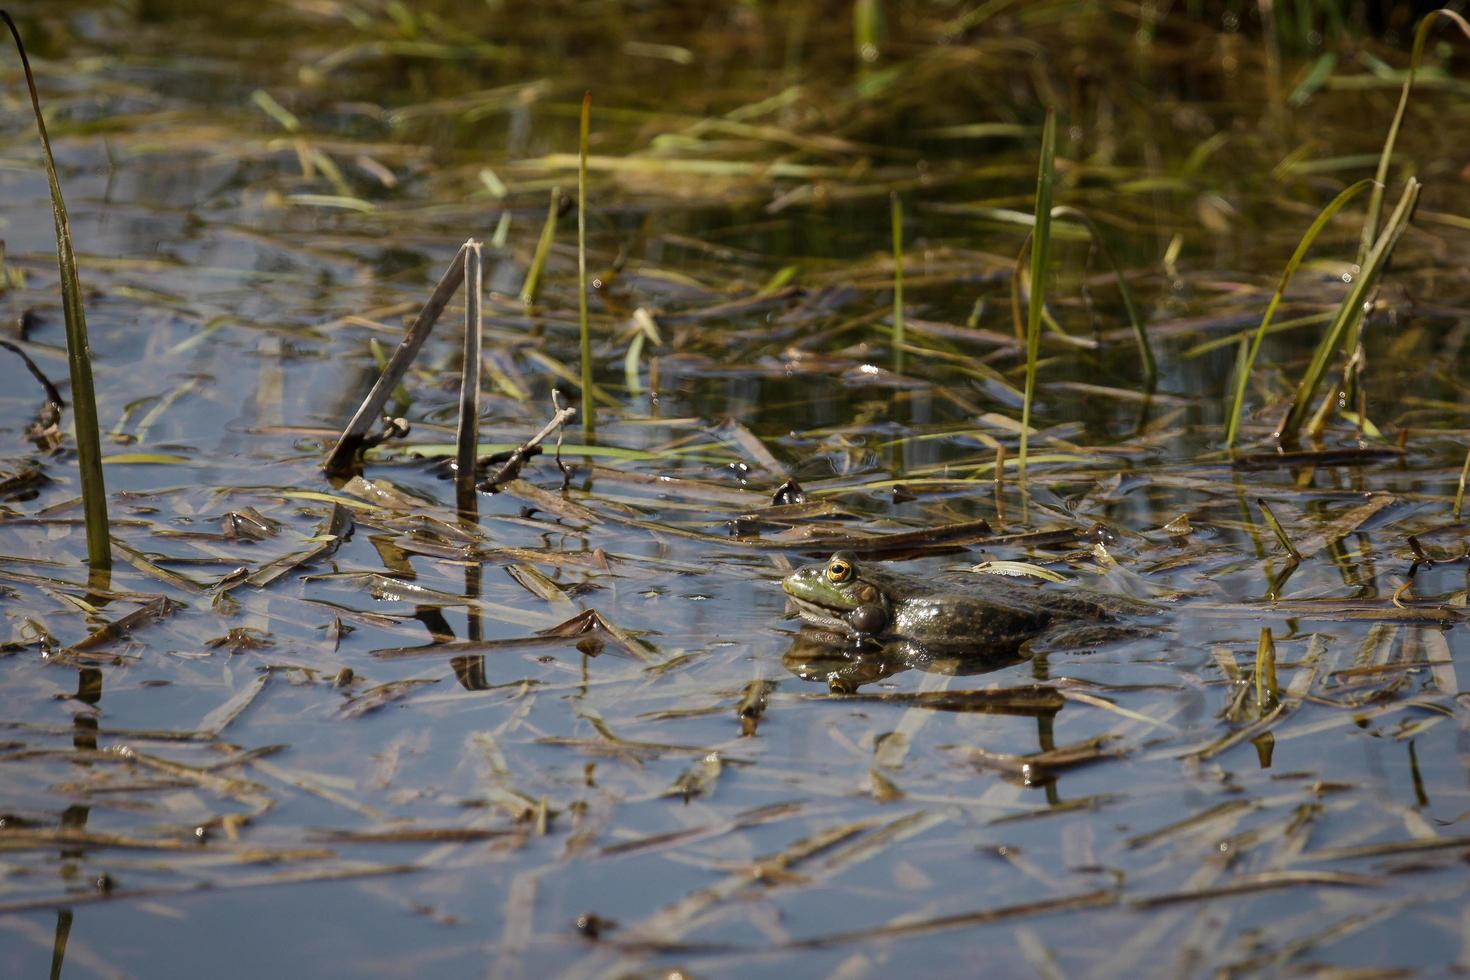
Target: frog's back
x,y
996,613
1069,602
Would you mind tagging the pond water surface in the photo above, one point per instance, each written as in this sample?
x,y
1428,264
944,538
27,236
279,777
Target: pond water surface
x,y
337,742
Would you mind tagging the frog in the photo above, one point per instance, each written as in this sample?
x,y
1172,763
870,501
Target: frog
x,y
873,605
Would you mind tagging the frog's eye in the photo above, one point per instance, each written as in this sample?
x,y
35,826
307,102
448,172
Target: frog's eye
x,y
839,570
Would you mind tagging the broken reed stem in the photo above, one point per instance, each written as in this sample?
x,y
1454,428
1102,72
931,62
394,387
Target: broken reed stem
x,y
896,214
54,400
1267,691
1279,531
78,350
468,435
589,414
511,468
339,460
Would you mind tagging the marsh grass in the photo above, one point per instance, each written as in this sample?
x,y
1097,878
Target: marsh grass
x,y
1350,311
78,349
584,329
1385,158
1040,262
1248,360
895,206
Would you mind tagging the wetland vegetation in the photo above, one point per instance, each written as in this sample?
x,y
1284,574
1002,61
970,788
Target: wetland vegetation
x,y
1162,301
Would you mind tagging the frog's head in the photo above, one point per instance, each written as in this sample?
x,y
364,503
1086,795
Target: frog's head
x,y
838,595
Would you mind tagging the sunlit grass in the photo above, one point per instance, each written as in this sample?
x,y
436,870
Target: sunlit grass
x,y
78,350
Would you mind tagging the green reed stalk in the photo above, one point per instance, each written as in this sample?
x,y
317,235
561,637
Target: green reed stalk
x,y
1375,200
1242,374
543,249
866,26
1040,256
895,206
1350,312
589,412
78,351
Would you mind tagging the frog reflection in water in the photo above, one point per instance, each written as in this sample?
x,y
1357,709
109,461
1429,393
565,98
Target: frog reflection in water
x,y
831,658
982,623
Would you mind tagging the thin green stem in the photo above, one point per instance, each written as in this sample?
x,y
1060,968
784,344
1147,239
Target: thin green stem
x,y
1242,375
589,413
1375,200
1040,256
896,213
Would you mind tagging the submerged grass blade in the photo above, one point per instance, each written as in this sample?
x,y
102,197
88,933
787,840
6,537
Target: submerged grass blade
x,y
1040,254
78,351
896,213
589,411
1350,312
1375,200
1292,264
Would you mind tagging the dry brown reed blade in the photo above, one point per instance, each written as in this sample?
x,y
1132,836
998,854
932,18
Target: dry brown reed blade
x,y
467,436
340,460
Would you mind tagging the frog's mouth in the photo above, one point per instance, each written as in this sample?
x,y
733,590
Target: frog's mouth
x,y
813,611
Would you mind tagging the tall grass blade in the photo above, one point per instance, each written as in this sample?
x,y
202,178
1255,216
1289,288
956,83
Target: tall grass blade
x,y
467,438
1242,375
1375,200
1040,256
1351,311
1147,364
78,351
589,411
896,213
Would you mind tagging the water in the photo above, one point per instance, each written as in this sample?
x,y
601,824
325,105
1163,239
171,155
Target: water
x,y
214,792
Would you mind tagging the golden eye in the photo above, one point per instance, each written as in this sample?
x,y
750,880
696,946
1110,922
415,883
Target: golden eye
x,y
839,570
